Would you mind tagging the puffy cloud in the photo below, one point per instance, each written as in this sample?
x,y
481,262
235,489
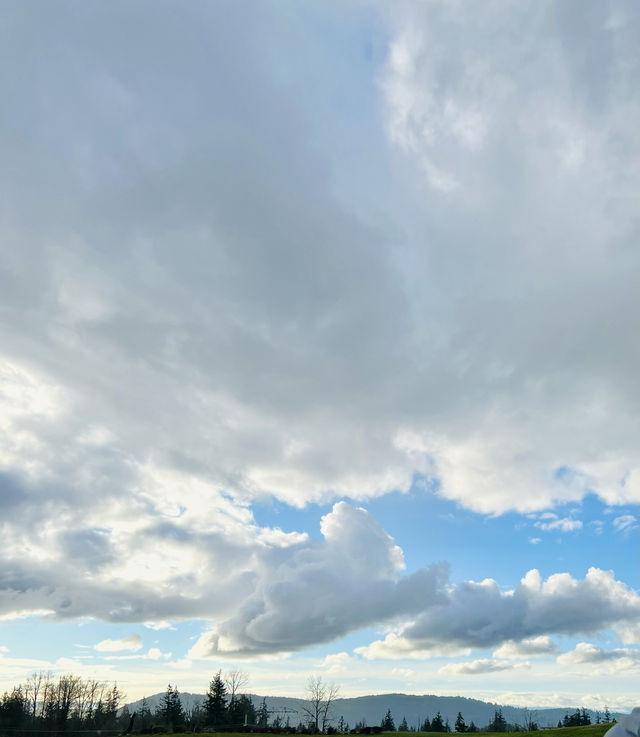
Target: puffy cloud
x,y
132,642
541,645
275,593
322,590
479,667
623,658
480,615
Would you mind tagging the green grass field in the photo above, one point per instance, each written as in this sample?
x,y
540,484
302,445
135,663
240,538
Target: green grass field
x,y
593,730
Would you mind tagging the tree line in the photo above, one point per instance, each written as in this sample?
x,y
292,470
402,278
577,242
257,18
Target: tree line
x,y
44,703
497,724
70,703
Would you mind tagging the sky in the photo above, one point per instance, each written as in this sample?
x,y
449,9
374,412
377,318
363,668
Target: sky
x,y
319,346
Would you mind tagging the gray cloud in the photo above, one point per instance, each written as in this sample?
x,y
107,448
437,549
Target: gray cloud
x,y
478,667
275,592
228,274
201,273
480,615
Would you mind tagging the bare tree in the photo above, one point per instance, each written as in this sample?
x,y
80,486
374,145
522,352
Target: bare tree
x,y
320,696
33,688
530,720
235,680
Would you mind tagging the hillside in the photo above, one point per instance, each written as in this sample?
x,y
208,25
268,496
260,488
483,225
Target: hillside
x,y
371,709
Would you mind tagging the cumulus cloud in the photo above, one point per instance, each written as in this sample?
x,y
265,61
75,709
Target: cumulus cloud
x,y
479,667
132,642
480,615
541,645
275,593
322,590
622,658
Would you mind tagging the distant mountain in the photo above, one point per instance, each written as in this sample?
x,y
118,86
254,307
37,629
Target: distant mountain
x,y
371,709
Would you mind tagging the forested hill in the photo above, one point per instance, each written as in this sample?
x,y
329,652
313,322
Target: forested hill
x,y
372,709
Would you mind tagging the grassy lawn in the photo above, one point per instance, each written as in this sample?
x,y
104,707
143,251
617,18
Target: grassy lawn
x,y
593,730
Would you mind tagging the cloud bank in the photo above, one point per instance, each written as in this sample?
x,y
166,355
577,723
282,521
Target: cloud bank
x,y
227,276
274,593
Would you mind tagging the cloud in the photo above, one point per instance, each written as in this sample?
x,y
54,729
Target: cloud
x,y
276,593
322,590
625,523
480,615
550,521
337,663
541,645
479,667
162,625
629,634
585,653
154,653
132,642
235,289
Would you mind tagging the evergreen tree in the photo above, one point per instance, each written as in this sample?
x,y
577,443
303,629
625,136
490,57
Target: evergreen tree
x,y
144,715
460,723
114,697
404,727
241,712
387,722
13,709
472,728
262,715
216,702
447,726
499,723
437,725
170,710
426,725
607,715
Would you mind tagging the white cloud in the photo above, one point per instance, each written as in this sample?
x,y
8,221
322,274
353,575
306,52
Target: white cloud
x,y
337,663
162,625
153,653
629,634
625,523
585,653
132,642
479,667
541,645
549,521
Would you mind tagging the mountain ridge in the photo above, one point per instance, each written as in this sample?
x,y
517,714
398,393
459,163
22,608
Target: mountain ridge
x,y
370,709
